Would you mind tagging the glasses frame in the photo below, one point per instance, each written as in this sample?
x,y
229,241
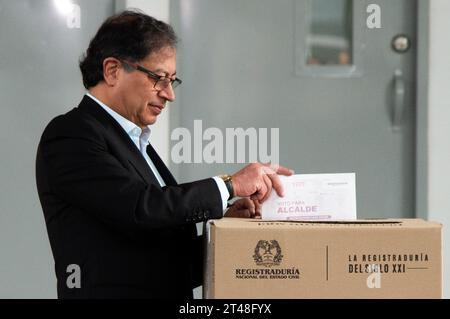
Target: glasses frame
x,y
152,75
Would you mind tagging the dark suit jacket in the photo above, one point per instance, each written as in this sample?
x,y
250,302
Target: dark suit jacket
x,y
106,212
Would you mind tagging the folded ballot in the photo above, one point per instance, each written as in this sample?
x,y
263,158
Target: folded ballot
x,y
313,197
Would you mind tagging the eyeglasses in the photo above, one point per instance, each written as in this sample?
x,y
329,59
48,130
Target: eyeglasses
x,y
161,82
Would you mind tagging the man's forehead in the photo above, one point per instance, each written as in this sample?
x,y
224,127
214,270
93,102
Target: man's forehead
x,y
166,55
163,60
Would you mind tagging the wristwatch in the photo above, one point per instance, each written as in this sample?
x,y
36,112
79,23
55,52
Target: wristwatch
x,y
229,184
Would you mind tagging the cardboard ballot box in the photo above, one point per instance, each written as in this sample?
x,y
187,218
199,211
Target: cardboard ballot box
x,y
360,259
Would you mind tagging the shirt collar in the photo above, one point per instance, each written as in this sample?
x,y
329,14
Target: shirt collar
x,y
129,127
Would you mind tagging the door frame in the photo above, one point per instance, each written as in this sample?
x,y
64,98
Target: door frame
x,y
423,8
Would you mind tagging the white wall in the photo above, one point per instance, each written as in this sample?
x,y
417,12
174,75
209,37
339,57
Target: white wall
x,y
439,125
158,9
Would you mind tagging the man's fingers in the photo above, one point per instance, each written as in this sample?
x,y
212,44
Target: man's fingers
x,y
247,203
239,213
284,171
257,208
277,169
277,185
272,171
270,168
261,191
244,213
268,184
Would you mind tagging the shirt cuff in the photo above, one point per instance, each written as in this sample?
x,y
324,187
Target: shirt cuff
x,y
223,191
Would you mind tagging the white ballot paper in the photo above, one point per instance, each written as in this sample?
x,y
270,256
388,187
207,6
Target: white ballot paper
x,y
313,197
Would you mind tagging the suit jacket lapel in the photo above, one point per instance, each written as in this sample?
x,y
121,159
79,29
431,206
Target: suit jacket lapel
x,y
120,139
161,167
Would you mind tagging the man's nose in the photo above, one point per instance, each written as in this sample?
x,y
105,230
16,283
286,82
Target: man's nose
x,y
168,93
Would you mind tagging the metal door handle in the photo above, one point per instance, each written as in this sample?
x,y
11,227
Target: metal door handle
x,y
399,100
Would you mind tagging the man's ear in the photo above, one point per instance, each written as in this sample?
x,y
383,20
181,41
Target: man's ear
x,y
111,68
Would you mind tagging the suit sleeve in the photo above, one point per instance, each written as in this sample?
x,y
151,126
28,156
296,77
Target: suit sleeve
x,y
80,171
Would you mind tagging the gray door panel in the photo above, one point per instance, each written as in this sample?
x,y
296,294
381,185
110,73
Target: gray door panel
x,y
240,69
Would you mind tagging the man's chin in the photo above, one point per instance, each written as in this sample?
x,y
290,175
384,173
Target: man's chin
x,y
151,120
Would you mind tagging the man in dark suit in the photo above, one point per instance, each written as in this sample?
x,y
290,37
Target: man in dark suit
x,y
112,208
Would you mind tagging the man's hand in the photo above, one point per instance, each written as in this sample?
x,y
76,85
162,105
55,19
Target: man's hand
x,y
244,208
257,180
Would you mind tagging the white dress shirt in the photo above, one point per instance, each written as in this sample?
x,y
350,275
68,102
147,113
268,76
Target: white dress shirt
x,y
141,138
